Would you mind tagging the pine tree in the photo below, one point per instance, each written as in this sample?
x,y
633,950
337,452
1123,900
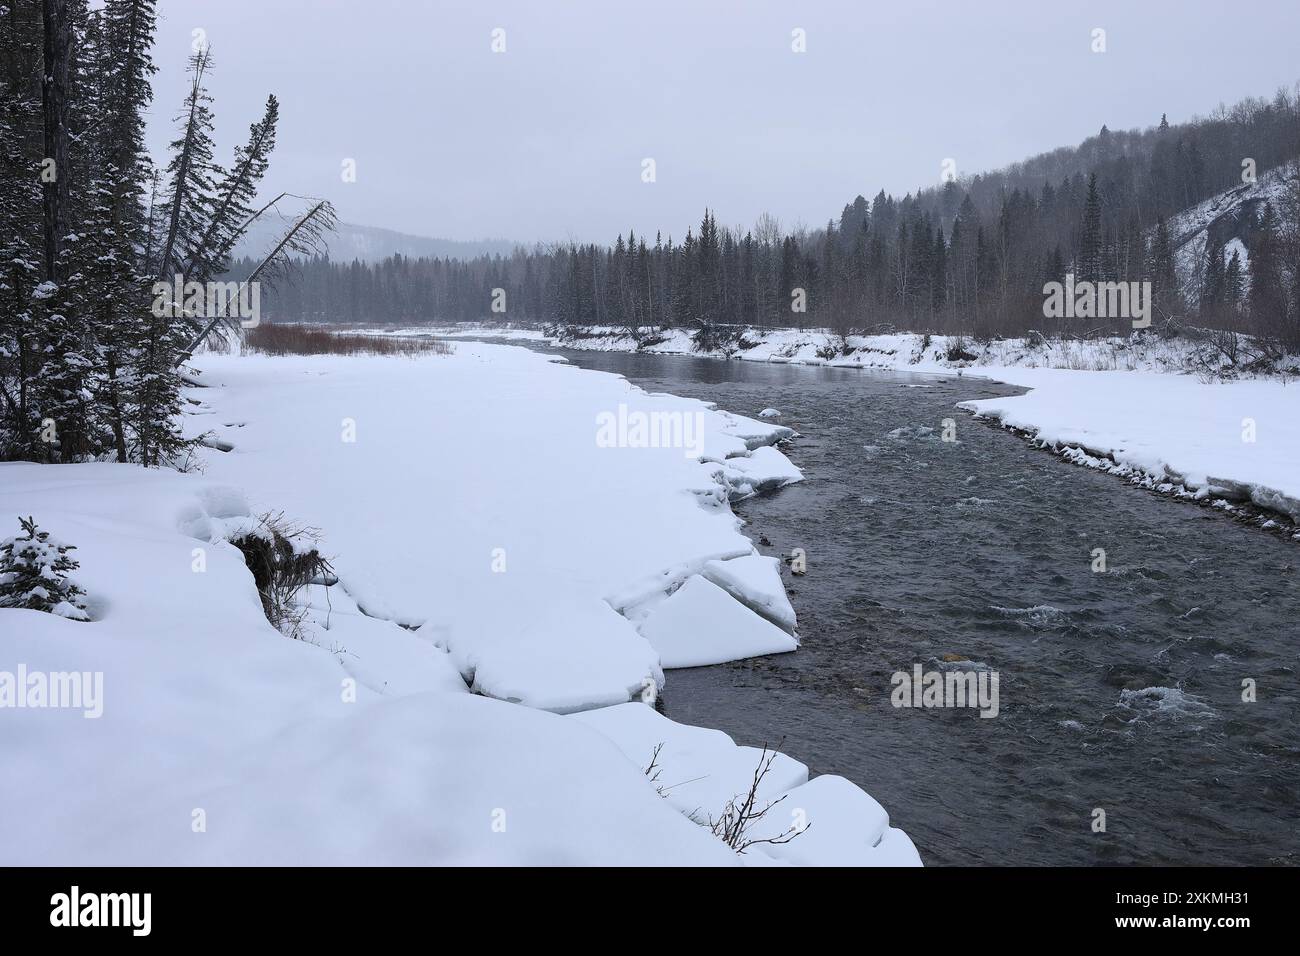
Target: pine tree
x,y
165,331
1232,282
191,174
940,264
21,210
1267,297
118,218
1161,272
1293,326
1090,243
1212,287
61,388
34,574
229,208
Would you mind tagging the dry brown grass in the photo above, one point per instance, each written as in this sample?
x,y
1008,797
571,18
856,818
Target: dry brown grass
x,y
286,339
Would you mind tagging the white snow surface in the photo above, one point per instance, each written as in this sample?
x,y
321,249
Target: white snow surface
x,y
479,476
219,740
211,716
1232,439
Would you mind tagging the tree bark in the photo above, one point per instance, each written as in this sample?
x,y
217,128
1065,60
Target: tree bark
x,y
54,91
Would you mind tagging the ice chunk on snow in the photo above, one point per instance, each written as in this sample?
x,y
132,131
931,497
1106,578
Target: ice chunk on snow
x,y
844,826
764,469
379,654
699,769
754,433
755,581
566,656
702,624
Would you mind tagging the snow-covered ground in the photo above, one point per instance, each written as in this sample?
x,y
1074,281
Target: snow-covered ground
x,y
493,475
1225,443
1140,408
499,523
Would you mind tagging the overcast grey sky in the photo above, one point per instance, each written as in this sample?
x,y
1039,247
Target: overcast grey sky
x,y
546,140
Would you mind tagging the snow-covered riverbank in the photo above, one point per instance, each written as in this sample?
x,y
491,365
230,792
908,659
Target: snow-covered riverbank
x,y
1141,409
499,523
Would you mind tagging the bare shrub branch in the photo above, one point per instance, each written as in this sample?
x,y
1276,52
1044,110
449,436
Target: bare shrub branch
x,y
738,818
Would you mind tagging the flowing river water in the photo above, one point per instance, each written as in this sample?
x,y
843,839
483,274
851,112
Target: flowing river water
x,y
1119,692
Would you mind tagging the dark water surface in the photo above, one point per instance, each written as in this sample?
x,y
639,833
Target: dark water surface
x,y
1119,691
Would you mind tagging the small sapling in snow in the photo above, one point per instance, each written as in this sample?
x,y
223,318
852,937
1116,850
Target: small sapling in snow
x,y
34,574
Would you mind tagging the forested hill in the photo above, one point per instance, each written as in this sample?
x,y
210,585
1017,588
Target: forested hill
x,y
969,255
1153,172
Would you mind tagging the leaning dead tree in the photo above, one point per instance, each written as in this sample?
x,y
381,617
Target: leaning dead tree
x,y
303,238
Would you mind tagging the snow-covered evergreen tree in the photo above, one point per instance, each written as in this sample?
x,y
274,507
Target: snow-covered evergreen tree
x,y
88,366
21,168
34,571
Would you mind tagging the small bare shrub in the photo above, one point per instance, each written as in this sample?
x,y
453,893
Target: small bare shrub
x,y
957,351
742,812
283,559
653,770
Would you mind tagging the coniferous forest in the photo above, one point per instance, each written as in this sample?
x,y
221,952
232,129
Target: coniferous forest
x,y
90,365
968,255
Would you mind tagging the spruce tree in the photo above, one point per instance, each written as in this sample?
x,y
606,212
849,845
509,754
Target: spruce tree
x,y
939,261
1212,287
230,207
1232,282
1090,242
1267,297
191,175
1161,271
34,574
21,208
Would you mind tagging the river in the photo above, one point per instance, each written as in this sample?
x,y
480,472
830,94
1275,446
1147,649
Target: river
x,y
1119,692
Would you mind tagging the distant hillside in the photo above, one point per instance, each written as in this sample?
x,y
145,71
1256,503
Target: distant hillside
x,y
1229,220
1155,172
372,244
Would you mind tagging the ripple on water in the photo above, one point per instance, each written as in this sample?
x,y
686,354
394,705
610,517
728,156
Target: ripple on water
x,y
1165,703
1038,616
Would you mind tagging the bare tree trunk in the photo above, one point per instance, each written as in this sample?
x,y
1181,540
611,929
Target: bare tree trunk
x,y
115,408
319,218
54,91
